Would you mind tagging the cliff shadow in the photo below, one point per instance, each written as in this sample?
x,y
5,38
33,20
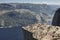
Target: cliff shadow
x,y
56,18
28,35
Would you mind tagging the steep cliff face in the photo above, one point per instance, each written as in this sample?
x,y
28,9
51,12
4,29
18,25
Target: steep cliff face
x,y
56,18
44,32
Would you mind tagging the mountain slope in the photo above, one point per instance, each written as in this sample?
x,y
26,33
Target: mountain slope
x,y
15,18
6,7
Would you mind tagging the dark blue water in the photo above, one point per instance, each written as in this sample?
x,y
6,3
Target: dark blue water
x,y
11,34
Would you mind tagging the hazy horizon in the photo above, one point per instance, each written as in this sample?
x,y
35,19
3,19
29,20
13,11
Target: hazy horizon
x,y
57,2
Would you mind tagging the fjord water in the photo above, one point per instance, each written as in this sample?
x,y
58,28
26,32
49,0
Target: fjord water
x,y
11,34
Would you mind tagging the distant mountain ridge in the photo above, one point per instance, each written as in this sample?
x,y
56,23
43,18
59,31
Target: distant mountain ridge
x,y
6,7
41,12
39,8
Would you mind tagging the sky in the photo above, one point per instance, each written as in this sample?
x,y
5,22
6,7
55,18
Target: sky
x,y
32,1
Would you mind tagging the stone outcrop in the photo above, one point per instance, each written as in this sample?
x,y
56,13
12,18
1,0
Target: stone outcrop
x,y
44,31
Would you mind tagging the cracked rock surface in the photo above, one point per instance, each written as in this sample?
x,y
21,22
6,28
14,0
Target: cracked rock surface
x,y
44,31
